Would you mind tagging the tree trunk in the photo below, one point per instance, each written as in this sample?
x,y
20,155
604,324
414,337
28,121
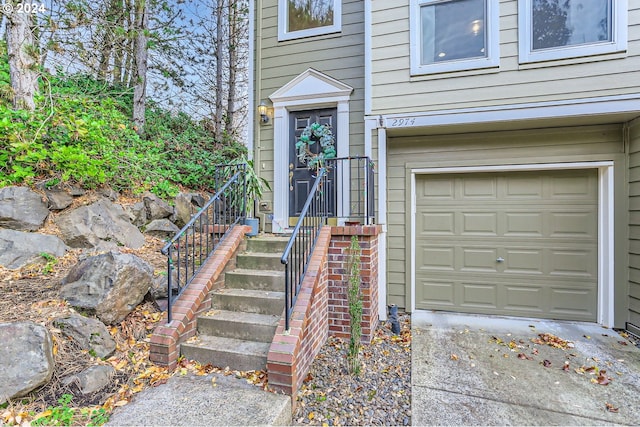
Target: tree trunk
x,y
22,59
140,81
233,55
219,67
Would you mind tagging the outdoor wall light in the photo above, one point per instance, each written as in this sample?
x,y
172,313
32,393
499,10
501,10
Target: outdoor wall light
x,y
265,112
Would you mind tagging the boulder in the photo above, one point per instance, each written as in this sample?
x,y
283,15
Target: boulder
x,y
186,205
161,228
92,379
18,248
27,358
85,226
21,209
91,334
156,208
112,284
58,199
137,214
159,287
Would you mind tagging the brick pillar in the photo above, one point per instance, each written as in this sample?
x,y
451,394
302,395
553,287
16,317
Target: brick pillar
x,y
339,320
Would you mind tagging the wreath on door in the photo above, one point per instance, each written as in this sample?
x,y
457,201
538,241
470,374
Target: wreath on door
x,y
313,134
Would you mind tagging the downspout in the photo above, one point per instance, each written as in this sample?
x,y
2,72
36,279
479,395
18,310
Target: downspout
x,y
251,127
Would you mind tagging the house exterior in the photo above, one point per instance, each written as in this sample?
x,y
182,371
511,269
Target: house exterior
x,y
505,135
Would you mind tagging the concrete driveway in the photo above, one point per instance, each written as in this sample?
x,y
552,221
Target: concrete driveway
x,y
481,370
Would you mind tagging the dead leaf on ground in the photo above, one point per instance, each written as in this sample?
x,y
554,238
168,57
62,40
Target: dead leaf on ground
x,y
453,357
546,363
611,408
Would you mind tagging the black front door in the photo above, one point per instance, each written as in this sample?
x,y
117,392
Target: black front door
x,y
300,177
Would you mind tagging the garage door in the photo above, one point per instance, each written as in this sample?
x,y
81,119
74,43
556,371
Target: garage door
x,y
517,243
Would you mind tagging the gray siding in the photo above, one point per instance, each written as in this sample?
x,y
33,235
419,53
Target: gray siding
x,y
394,90
591,143
339,55
634,223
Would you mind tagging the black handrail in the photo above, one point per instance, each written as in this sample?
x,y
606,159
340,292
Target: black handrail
x,y
192,246
298,252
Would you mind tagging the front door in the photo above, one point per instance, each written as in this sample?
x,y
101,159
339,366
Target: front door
x,y
300,177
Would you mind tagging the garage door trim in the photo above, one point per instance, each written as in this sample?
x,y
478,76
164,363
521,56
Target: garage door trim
x,y
605,222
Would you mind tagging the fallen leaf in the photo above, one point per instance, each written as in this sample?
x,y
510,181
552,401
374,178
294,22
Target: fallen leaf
x,y
603,379
453,357
587,337
546,363
566,366
611,408
535,351
622,342
524,356
311,415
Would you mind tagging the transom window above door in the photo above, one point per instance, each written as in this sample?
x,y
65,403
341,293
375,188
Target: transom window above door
x,y
559,29
453,35
306,18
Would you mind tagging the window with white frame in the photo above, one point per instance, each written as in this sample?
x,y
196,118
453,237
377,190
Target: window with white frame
x,y
306,18
453,35
559,29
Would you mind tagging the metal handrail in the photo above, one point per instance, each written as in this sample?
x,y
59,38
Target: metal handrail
x,y
299,249
192,246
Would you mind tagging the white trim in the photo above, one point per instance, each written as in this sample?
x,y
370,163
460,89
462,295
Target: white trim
x,y
367,58
605,315
309,90
251,98
492,58
382,220
620,104
283,17
618,43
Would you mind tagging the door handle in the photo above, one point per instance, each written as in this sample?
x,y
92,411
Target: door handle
x,y
291,180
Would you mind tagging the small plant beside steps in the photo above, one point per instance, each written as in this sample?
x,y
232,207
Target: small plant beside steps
x,y
355,307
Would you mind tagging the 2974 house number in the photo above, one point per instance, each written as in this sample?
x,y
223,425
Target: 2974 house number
x,y
401,122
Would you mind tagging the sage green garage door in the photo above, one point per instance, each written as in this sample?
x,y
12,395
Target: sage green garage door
x,y
514,243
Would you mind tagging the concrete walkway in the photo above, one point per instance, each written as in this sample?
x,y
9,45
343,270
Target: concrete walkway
x,y
466,370
192,400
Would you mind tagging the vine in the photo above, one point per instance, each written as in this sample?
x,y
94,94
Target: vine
x,y
313,134
355,307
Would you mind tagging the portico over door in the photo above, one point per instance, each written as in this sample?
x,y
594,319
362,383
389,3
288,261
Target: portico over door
x,y
301,178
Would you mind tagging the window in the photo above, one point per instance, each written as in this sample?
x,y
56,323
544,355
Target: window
x,y
558,29
453,35
305,18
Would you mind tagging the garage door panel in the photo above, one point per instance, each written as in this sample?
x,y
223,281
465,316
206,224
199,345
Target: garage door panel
x,y
436,223
483,188
484,223
574,263
527,299
476,295
521,244
478,259
521,224
524,261
573,224
524,187
436,258
437,293
571,303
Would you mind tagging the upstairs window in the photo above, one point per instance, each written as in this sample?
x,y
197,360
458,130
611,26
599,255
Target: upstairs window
x,y
306,18
453,35
559,29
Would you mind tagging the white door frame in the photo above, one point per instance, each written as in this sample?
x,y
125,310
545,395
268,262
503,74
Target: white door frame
x,y
309,90
605,223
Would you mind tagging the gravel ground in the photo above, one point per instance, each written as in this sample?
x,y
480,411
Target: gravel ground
x,y
380,395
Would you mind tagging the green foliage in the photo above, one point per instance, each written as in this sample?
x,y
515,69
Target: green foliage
x,y
81,132
59,415
64,415
51,262
355,307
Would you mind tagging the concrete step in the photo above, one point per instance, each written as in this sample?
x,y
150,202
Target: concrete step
x,y
260,261
266,280
237,354
243,326
270,244
248,300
